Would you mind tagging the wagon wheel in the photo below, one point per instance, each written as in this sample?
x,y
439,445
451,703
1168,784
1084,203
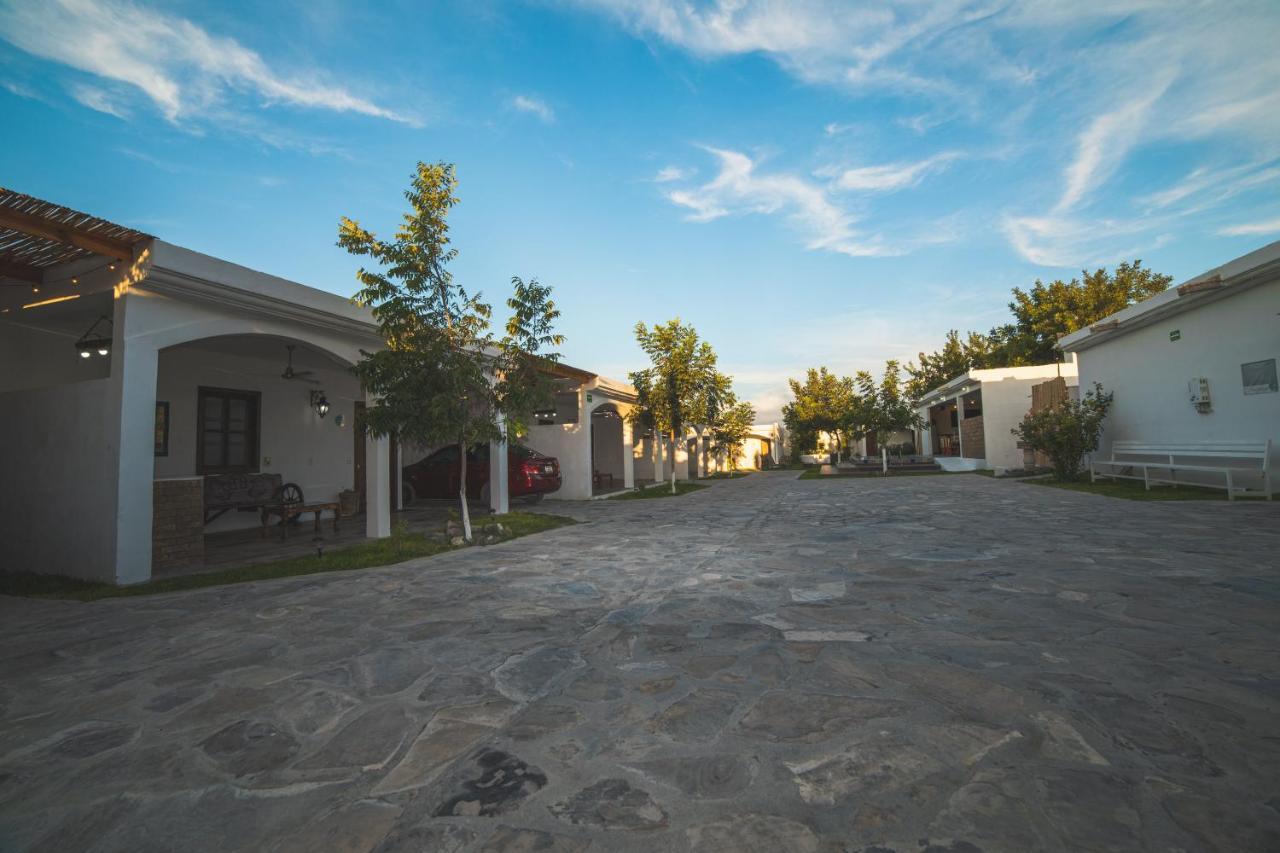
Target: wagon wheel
x,y
290,494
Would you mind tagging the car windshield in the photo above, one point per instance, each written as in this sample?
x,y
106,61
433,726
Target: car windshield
x,y
521,452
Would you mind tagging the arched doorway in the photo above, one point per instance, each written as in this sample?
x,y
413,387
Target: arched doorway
x,y
608,450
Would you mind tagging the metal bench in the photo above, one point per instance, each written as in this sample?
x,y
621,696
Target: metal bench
x,y
1160,463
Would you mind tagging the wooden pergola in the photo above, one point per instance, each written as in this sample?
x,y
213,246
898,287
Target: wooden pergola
x,y
37,236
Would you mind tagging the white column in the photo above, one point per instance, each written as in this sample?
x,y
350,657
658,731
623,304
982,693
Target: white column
x,y
397,489
134,363
628,455
659,456
695,464
499,486
377,468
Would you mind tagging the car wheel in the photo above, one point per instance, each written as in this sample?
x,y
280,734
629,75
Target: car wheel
x,y
407,494
484,494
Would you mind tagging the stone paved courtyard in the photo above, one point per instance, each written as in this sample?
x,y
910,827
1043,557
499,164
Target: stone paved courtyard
x,y
942,663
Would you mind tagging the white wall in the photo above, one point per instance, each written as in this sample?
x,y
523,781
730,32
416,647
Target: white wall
x,y
57,489
36,358
1148,374
1004,404
570,444
643,459
303,448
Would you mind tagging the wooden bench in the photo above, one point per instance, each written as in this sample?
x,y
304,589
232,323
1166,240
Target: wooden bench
x,y
245,492
1160,463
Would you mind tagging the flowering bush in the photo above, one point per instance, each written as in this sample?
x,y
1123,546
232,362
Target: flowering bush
x,y
1067,431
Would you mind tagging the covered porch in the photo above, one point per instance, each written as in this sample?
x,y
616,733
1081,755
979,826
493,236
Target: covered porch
x,y
588,430
954,430
135,370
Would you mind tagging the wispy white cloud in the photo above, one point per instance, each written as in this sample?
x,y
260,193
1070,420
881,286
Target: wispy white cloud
x,y
534,106
98,99
183,70
667,174
1247,229
1204,187
893,176
1104,81
740,188
1105,143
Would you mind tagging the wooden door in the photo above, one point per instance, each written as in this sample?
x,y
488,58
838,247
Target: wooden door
x,y
358,454
872,448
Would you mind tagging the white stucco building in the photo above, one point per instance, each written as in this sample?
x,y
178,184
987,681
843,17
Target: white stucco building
x,y
127,363
968,421
1195,363
589,431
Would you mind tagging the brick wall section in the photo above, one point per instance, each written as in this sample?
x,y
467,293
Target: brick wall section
x,y
972,439
177,525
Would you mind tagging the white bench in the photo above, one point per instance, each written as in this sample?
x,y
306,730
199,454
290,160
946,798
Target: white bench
x,y
1160,463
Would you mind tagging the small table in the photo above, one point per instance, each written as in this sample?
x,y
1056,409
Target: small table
x,y
288,512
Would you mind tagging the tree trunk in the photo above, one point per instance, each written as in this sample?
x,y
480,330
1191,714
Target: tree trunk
x,y
462,491
673,461
884,459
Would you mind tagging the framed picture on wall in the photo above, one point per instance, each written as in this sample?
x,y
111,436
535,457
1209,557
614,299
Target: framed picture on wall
x,y
162,428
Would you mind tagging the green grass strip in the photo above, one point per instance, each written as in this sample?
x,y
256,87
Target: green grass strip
x,y
397,548
659,490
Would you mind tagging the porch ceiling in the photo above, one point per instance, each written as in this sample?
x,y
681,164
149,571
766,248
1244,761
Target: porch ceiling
x,y
266,348
44,246
36,235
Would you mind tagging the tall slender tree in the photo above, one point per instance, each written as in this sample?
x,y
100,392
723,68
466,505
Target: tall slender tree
x,y
672,393
730,430
443,376
884,407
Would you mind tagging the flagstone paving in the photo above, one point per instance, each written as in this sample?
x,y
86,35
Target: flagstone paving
x,y
944,664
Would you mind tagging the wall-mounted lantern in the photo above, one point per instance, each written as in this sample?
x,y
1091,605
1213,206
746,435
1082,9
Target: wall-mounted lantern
x,y
320,403
95,340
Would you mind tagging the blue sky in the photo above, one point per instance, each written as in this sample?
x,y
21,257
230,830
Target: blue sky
x,y
806,182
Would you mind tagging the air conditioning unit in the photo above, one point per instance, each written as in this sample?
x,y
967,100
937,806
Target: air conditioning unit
x,y
1198,393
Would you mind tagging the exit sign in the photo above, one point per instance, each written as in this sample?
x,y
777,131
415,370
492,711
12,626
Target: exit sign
x,y
1175,335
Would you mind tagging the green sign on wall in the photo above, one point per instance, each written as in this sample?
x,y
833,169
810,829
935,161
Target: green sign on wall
x,y
1175,335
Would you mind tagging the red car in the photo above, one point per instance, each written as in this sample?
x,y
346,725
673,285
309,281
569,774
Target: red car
x,y
530,474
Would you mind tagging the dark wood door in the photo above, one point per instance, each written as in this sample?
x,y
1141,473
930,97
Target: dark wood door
x,y
358,454
872,449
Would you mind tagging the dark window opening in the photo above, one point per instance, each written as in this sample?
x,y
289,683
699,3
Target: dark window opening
x,y
228,431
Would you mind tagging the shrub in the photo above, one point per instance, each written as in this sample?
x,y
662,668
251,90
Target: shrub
x,y
1067,431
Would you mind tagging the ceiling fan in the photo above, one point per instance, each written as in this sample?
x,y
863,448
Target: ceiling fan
x,y
290,373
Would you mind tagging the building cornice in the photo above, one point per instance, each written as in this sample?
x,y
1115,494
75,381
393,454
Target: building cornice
x,y
181,285
1201,290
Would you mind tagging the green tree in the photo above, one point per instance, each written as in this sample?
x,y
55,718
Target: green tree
x,y
1048,312
730,431
956,357
1067,431
821,404
673,392
884,408
443,377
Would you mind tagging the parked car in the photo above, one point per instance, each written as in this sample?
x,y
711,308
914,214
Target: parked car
x,y
530,474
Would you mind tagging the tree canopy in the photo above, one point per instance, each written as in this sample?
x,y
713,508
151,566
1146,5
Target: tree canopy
x,y
885,407
820,404
730,430
681,386
1041,316
443,376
